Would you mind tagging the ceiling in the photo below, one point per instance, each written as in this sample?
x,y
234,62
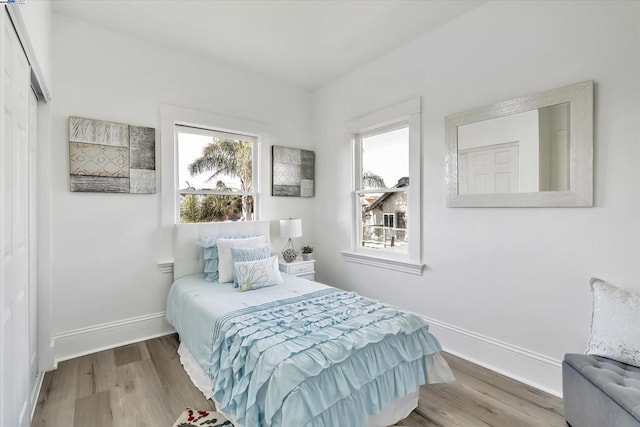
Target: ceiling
x,y
304,43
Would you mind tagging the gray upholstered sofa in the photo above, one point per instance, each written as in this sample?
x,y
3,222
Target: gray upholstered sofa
x,y
600,392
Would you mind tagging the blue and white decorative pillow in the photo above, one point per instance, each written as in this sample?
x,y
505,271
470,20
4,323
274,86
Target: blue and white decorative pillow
x,y
257,274
248,254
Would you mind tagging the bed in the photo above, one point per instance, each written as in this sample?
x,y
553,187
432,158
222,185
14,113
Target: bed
x,y
297,353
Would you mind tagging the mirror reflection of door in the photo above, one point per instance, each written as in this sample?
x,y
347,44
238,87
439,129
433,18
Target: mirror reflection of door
x,y
489,169
489,161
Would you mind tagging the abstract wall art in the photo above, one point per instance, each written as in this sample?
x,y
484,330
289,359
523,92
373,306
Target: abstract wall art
x,y
292,172
108,157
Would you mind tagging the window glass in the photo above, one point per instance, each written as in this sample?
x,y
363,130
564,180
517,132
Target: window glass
x,y
385,158
385,166
215,176
214,207
384,221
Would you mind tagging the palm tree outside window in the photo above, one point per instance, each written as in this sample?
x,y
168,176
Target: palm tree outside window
x,y
216,177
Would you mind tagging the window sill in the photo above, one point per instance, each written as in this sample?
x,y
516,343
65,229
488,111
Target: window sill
x,y
387,263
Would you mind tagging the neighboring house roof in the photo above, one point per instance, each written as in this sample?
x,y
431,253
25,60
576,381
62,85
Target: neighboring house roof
x,y
367,201
402,182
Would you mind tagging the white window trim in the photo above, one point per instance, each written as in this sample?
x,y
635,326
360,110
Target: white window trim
x,y
383,262
408,113
170,116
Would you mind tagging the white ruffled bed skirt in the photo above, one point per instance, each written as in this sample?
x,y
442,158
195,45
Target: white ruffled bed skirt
x,y
437,367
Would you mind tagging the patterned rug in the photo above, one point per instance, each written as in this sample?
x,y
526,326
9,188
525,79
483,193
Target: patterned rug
x,y
194,418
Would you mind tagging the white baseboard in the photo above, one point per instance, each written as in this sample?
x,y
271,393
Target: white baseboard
x,y
80,342
529,367
35,393
535,369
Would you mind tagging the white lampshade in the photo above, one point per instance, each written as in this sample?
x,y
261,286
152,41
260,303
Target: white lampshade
x,y
290,228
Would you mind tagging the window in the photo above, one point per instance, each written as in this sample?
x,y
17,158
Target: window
x,y
176,120
384,183
388,220
386,196
215,175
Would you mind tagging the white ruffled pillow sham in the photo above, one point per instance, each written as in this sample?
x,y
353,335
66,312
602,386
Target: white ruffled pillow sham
x,y
225,260
615,323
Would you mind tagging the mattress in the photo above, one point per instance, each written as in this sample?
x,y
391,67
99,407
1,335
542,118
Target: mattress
x,y
302,352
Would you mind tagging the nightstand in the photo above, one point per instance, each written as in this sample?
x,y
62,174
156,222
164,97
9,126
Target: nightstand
x,y
304,269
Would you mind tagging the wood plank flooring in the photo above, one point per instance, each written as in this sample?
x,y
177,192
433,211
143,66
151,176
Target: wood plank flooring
x,y
144,384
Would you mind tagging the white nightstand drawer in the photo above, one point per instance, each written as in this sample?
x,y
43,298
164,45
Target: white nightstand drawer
x,y
298,268
301,268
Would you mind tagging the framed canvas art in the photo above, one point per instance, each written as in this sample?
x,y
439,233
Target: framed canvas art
x,y
109,157
292,172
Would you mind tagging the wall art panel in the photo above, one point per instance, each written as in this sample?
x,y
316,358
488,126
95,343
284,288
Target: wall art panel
x,y
292,172
108,157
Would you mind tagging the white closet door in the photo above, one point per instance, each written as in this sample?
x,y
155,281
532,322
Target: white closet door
x,y
14,230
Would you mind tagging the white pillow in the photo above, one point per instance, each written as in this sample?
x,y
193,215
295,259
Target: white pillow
x,y
257,274
615,323
225,261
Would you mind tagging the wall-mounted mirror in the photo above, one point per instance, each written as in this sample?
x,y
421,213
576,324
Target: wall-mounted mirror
x,y
533,151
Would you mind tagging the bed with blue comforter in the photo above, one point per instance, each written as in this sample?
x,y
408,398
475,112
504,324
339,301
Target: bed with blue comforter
x,y
302,353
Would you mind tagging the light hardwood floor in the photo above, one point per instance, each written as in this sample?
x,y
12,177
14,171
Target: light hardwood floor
x,y
144,384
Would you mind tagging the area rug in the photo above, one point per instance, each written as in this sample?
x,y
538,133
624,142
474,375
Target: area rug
x,y
194,418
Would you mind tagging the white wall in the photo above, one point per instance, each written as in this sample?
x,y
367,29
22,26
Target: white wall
x,y
506,287
107,286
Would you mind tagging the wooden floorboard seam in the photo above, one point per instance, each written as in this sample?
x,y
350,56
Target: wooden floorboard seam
x,y
144,384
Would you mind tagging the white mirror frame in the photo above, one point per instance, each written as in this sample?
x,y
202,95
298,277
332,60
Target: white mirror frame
x,y
580,193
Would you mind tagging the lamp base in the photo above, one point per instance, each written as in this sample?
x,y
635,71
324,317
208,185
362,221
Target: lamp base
x,y
289,253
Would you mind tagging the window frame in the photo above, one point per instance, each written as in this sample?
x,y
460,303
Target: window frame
x,y
171,115
200,130
388,218
405,114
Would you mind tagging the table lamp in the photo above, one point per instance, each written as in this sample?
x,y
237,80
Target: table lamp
x,y
290,228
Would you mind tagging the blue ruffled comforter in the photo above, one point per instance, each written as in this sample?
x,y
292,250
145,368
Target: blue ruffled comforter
x,y
327,358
